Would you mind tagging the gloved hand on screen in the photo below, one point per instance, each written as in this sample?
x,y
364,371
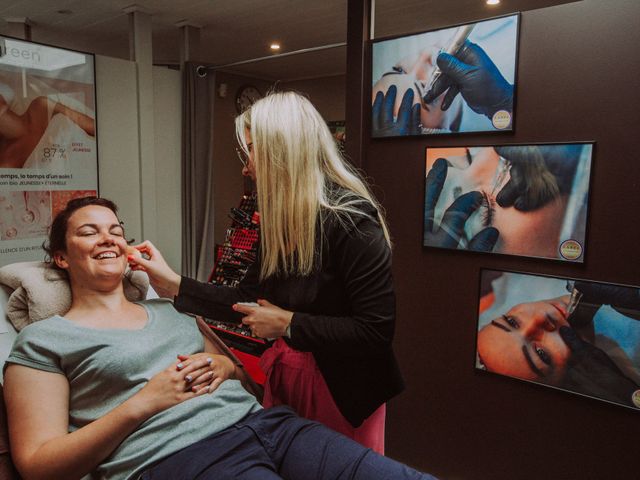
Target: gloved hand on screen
x,y
538,174
474,75
451,228
383,123
626,300
592,372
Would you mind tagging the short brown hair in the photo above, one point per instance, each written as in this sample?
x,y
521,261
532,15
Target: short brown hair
x,y
58,231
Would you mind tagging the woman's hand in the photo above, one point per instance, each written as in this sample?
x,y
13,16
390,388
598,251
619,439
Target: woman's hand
x,y
408,118
171,386
219,368
266,320
164,281
451,228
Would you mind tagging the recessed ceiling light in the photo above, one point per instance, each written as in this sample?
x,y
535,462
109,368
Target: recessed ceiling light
x,y
274,46
493,2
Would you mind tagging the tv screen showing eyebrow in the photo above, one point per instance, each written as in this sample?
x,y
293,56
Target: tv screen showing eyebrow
x,y
525,200
575,335
451,80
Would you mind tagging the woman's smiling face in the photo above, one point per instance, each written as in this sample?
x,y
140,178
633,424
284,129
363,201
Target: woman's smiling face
x,y
96,248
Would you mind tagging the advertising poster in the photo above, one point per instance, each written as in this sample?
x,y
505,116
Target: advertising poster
x,y
576,335
452,80
525,200
47,141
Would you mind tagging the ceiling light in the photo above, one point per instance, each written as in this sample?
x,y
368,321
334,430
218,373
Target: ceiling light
x,y
493,2
274,46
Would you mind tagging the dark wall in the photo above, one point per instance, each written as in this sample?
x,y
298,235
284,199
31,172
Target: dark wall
x,y
227,169
578,80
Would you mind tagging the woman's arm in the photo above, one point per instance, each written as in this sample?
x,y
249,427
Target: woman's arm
x,y
38,412
193,296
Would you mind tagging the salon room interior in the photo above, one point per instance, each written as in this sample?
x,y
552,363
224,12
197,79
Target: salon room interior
x,y
450,421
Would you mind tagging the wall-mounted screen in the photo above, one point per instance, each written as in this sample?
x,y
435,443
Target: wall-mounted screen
x,y
48,150
451,80
575,335
526,200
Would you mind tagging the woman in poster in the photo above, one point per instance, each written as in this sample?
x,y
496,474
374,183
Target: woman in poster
x,y
526,330
21,133
323,280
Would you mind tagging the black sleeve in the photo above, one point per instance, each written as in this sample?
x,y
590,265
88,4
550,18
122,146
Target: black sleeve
x,y
215,301
362,258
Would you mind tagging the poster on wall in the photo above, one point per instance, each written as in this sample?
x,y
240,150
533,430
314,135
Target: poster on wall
x,y
525,200
451,80
575,335
48,150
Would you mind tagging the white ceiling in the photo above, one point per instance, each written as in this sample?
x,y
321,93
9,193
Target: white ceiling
x,y
237,30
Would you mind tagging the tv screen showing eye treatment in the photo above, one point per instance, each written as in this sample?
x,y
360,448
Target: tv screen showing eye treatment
x,y
575,335
525,200
452,80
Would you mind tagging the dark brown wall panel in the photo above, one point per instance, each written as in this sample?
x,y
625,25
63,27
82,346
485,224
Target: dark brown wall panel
x,y
578,80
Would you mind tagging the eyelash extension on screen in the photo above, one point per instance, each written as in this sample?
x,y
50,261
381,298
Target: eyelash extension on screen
x,y
512,322
394,71
488,209
469,158
542,354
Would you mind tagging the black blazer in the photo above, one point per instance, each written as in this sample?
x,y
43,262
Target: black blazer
x,y
344,310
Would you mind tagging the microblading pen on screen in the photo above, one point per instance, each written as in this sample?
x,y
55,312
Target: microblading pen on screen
x,y
454,47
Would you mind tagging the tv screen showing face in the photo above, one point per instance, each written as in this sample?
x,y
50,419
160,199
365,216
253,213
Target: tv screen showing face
x,y
574,335
525,200
452,80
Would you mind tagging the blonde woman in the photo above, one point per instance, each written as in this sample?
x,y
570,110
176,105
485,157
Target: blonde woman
x,y
323,279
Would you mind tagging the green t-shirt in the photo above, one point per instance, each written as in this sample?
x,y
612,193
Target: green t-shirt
x,y
104,367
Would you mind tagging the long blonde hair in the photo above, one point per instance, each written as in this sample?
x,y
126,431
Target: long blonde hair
x,y
296,163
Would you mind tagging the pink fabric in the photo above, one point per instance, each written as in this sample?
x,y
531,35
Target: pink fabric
x,y
293,379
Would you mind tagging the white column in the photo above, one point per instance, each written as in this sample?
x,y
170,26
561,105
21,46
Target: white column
x,y
19,27
141,52
189,41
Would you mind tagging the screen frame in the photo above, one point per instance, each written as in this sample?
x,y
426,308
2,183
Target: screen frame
x,y
581,260
491,374
369,86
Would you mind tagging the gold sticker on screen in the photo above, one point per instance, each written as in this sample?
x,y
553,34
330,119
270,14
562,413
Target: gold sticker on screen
x,y
501,119
635,398
570,250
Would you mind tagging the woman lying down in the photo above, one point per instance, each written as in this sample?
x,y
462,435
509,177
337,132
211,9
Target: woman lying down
x,y
100,390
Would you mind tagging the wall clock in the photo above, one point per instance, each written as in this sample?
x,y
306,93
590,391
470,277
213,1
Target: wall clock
x,y
247,95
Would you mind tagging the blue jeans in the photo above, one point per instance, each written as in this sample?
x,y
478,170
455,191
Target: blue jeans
x,y
275,443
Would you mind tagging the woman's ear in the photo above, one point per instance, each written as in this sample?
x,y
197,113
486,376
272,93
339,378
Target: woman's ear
x,y
61,262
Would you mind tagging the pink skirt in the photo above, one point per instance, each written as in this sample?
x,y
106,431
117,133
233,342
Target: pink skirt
x,y
293,379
